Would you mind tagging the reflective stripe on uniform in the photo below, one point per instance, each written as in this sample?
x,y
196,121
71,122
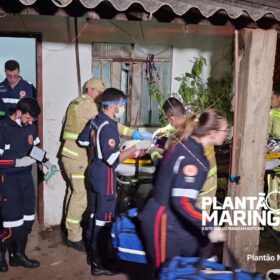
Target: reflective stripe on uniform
x,y
131,251
36,141
191,193
275,113
72,106
101,223
70,152
77,176
10,100
72,221
97,139
70,135
177,164
210,190
113,157
7,224
125,131
84,143
7,147
212,171
29,217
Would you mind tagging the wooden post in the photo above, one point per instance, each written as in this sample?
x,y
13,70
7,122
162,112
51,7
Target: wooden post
x,y
77,55
255,89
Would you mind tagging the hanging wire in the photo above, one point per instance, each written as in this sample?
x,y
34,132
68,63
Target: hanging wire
x,y
72,41
56,50
145,51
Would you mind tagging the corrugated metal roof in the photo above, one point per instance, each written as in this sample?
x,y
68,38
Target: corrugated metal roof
x,y
255,9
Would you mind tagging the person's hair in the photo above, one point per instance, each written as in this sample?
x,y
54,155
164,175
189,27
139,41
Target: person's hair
x,y
173,107
29,105
200,125
11,65
276,89
112,94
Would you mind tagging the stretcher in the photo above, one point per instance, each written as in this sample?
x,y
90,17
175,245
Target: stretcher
x,y
131,175
272,157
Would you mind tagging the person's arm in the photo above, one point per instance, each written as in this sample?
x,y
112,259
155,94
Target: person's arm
x,y
86,112
108,141
133,133
164,131
84,137
4,146
125,130
127,153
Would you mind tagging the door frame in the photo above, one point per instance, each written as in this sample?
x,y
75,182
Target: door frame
x,y
39,88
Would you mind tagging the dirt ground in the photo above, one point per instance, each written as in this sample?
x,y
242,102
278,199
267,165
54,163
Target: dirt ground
x,y
59,262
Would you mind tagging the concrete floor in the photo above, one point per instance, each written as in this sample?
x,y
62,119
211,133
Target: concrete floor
x,y
59,262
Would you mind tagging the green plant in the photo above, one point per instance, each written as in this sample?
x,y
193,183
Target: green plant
x,y
199,95
194,92
158,95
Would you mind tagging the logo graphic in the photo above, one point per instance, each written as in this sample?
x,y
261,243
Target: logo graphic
x,y
22,93
275,195
243,212
30,139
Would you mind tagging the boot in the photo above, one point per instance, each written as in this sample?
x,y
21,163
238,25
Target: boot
x,y
18,257
3,262
98,269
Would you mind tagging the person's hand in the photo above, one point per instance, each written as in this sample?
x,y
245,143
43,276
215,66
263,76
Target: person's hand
x,y
217,235
47,164
143,145
137,135
155,153
163,131
25,161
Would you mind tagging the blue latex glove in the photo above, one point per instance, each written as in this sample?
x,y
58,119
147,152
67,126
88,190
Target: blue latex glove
x,y
147,135
137,135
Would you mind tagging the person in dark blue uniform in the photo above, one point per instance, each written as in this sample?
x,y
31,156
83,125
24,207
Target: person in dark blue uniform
x,y
14,87
170,221
17,195
106,143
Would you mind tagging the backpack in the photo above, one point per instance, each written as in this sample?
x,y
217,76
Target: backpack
x,y
125,238
195,268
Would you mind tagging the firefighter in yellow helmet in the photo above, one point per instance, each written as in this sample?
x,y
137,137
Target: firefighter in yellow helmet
x,y
274,181
175,113
75,160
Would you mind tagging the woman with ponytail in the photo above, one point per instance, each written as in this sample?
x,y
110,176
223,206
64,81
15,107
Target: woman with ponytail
x,y
171,224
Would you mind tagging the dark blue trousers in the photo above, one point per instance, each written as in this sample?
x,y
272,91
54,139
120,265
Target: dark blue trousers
x,y
17,205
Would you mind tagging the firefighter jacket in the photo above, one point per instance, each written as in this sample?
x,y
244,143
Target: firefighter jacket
x,y
79,112
274,123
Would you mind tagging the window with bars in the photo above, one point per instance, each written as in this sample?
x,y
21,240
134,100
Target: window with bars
x,y
123,66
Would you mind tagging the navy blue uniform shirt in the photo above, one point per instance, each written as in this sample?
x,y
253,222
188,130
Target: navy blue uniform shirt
x,y
15,142
11,96
106,142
